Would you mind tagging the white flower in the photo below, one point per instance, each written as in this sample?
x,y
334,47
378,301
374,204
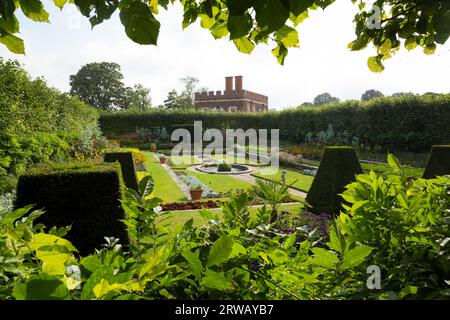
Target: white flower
x,y
157,209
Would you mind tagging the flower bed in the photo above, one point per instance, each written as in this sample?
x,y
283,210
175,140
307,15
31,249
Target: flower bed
x,y
177,206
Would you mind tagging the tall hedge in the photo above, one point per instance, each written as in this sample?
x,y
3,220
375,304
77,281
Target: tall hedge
x,y
338,167
439,162
127,165
86,196
403,123
39,123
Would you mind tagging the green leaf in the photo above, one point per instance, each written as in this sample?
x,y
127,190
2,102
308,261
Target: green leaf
x,y
42,240
220,251
194,262
7,8
10,217
9,25
54,261
289,242
324,258
239,26
298,7
34,9
271,15
394,164
336,243
208,215
296,20
375,64
238,249
42,287
355,257
407,291
215,280
146,186
219,30
244,45
278,257
13,43
152,262
280,52
60,3
287,36
140,24
411,43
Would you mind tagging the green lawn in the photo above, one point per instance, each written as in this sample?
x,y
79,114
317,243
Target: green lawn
x,y
219,183
183,162
165,188
303,182
378,168
174,218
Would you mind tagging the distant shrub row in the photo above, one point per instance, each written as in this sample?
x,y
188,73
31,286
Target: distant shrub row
x,y
404,123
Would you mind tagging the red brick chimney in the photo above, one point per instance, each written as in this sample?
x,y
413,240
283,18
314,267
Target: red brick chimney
x,y
239,83
228,83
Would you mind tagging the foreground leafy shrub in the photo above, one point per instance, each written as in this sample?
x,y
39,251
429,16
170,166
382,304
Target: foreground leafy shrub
x,y
406,221
127,165
438,163
85,196
397,224
338,167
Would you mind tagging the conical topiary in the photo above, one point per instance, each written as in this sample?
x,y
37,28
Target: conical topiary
x,y
338,167
438,163
127,165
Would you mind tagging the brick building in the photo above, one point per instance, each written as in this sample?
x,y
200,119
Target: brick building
x,y
233,99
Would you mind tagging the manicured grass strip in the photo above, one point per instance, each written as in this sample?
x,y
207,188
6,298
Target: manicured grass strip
x,y
165,188
303,182
378,168
219,183
172,219
183,162
383,168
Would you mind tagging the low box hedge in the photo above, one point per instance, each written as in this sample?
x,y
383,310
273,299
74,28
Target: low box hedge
x,y
127,164
84,195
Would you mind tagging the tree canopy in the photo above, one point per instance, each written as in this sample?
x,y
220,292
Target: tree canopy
x,y
324,98
101,86
184,100
387,25
371,94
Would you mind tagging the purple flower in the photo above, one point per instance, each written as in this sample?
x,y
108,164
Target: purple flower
x,y
288,230
325,216
323,230
284,212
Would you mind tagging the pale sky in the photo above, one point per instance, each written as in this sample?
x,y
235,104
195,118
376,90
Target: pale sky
x,y
321,64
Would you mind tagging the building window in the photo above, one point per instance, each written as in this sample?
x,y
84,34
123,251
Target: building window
x,y
232,109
